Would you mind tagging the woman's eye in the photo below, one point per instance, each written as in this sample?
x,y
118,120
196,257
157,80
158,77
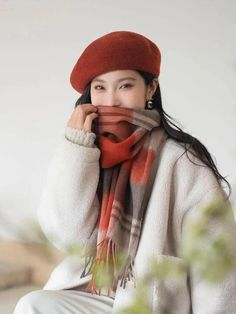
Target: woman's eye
x,y
98,87
127,85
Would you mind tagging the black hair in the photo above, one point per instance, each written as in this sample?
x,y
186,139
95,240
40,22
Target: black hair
x,y
173,131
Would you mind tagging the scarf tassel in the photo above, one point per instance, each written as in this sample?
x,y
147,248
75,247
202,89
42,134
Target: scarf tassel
x,y
106,261
89,260
128,275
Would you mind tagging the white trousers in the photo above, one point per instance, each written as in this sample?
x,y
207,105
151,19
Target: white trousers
x,y
63,302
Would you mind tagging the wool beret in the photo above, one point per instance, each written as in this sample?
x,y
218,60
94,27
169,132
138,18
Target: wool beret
x,y
119,50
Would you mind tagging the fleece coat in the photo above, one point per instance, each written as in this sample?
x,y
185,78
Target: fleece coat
x,y
69,207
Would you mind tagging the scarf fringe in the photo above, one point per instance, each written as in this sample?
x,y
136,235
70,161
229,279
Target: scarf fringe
x,y
89,260
128,275
106,261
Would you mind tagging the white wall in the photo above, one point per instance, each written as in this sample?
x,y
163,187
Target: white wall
x,y
41,41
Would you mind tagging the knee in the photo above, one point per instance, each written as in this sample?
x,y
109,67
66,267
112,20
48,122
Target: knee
x,y
31,302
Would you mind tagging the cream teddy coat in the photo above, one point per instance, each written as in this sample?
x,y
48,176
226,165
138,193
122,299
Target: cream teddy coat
x,y
69,208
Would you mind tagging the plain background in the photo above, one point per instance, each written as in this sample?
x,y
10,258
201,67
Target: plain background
x,y
42,40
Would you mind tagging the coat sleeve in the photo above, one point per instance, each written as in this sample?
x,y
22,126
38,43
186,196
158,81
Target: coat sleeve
x,y
213,297
69,206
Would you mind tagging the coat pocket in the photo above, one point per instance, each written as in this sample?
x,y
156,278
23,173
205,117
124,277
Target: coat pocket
x,y
171,290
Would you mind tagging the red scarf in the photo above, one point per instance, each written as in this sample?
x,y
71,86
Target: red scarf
x,y
129,140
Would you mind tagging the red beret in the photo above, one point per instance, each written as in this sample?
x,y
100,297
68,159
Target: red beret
x,y
119,50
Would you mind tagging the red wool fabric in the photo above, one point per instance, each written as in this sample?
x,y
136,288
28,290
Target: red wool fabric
x,y
119,50
129,140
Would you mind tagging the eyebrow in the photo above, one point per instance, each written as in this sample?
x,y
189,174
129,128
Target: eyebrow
x,y
122,79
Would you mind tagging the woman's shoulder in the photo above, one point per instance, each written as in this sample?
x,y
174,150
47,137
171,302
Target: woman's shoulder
x,y
186,179
181,155
172,151
189,176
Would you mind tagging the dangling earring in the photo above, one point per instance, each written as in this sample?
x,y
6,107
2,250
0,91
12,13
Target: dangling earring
x,y
149,104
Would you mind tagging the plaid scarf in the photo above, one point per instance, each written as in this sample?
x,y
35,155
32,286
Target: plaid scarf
x,y
129,140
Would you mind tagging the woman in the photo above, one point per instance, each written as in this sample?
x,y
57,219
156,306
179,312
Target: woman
x,y
124,181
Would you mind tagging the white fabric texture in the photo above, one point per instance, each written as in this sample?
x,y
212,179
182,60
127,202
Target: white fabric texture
x,y
69,209
81,137
63,302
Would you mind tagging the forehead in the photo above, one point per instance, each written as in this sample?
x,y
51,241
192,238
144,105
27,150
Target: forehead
x,y
117,75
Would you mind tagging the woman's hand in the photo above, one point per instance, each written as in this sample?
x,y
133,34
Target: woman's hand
x,y
82,117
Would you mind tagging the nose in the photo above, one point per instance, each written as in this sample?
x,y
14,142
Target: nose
x,y
112,99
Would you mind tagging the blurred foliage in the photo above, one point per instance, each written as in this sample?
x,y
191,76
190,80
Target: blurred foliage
x,y
208,245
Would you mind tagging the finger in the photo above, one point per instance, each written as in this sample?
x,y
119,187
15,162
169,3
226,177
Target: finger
x,y
78,116
76,120
88,121
86,108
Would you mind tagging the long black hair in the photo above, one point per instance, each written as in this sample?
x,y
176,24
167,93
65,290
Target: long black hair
x,y
173,131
